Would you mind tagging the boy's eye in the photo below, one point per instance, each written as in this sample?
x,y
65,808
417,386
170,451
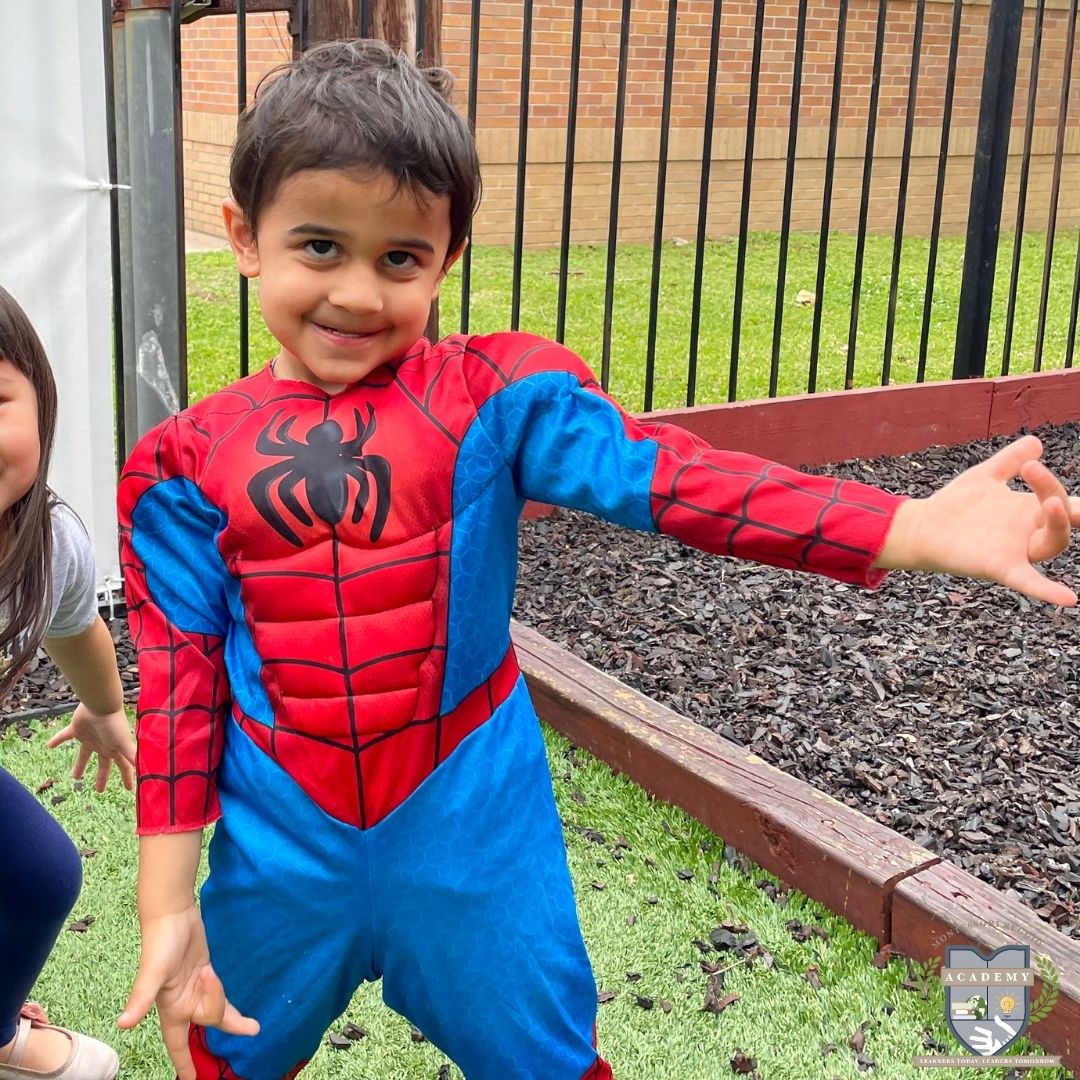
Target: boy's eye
x,y
399,260
321,248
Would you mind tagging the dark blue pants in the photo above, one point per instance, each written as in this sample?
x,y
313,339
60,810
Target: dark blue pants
x,y
40,876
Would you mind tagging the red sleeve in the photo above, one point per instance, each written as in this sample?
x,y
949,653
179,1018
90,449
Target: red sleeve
x,y
750,508
177,615
572,445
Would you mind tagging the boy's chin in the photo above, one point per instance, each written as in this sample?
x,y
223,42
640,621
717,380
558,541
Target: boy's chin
x,y
330,375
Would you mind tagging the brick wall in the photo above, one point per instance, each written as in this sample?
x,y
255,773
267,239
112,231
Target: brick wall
x,y
210,105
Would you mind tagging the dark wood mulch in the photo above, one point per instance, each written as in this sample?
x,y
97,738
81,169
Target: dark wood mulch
x,y
945,709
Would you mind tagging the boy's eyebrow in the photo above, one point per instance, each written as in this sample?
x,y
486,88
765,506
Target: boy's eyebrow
x,y
308,228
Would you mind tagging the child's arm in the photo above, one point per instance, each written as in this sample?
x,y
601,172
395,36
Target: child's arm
x,y
174,967
566,442
977,526
88,662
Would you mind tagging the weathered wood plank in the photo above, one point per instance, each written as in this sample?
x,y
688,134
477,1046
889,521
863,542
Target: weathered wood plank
x,y
823,848
943,905
1028,401
815,429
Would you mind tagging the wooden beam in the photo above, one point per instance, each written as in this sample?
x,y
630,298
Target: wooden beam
x,y
808,839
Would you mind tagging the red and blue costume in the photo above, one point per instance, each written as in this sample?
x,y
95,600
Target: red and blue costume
x,y
320,589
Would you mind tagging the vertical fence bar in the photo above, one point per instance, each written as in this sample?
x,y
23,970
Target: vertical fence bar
x,y
568,175
939,190
181,253
305,23
241,103
474,79
1073,310
703,201
864,206
826,197
523,145
1055,190
901,197
1021,201
661,191
616,174
421,27
987,187
363,18
744,212
789,185
114,235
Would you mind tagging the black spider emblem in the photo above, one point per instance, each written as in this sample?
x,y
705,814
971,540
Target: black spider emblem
x,y
324,464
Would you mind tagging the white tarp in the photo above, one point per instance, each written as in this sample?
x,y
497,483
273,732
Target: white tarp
x,y
54,236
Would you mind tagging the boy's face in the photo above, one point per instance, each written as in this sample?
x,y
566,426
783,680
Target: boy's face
x,y
348,268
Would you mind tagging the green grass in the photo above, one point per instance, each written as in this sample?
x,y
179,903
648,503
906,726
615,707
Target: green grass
x,y
779,1019
212,312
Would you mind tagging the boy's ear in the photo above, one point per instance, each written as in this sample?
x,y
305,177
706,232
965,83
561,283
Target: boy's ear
x,y
450,260
241,238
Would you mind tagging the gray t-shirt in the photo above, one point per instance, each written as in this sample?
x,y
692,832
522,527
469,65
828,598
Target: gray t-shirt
x,y
74,600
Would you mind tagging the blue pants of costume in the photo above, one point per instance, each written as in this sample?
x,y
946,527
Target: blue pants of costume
x,y
460,900
40,876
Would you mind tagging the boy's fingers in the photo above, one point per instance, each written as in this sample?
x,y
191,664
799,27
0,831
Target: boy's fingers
x,y
143,992
1053,537
174,1034
215,1010
235,1023
1028,580
1042,481
1007,462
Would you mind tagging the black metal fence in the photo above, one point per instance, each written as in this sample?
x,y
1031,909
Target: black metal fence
x,y
982,280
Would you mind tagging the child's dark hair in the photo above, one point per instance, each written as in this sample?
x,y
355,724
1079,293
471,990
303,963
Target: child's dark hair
x,y
26,539
356,105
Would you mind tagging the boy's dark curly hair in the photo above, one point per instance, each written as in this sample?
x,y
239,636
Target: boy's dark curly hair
x,y
356,105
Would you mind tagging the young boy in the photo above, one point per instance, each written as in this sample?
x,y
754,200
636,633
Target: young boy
x,y
320,566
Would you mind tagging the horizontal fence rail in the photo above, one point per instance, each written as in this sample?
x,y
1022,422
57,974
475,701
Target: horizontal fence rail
x,y
717,200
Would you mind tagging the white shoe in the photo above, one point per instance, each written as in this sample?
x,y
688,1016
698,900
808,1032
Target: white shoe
x,y
88,1060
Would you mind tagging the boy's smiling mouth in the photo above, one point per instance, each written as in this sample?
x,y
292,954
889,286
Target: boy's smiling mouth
x,y
351,335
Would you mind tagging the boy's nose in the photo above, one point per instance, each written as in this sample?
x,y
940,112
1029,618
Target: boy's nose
x,y
357,291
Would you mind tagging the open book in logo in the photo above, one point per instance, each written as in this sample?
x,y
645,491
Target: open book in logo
x,y
988,998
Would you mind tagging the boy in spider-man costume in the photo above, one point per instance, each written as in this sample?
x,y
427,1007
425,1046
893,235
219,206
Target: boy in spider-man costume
x,y
320,568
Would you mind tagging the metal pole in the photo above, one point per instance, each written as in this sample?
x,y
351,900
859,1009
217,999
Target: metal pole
x,y
122,280
987,187
152,275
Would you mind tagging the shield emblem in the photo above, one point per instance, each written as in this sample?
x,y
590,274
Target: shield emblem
x,y
987,1015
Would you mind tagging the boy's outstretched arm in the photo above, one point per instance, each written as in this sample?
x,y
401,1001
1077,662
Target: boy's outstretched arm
x,y
174,966
567,442
977,526
88,662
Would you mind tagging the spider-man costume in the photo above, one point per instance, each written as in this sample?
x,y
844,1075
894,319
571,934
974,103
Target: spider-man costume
x,y
320,589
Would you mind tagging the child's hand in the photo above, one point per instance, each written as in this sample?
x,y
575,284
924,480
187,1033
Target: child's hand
x,y
175,972
977,526
106,734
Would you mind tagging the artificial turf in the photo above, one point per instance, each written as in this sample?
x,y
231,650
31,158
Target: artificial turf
x,y
656,894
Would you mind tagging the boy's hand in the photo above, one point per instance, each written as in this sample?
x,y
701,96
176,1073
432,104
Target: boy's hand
x,y
175,972
977,526
106,734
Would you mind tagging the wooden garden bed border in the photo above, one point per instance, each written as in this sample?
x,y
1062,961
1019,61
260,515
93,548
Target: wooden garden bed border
x,y
884,421
899,893
884,884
